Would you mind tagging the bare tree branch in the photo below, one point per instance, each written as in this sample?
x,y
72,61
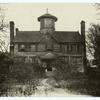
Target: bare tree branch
x,y
3,32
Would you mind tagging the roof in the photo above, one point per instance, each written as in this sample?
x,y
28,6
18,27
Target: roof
x,y
48,56
67,36
28,36
47,16
36,36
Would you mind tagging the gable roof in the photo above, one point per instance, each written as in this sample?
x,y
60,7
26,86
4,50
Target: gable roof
x,y
36,36
67,36
28,36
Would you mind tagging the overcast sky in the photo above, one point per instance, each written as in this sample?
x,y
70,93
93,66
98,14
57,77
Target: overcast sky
x,y
69,15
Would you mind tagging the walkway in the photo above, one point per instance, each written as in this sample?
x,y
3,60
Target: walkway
x,y
49,87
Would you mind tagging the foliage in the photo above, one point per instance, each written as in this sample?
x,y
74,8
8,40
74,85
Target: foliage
x,y
93,46
17,75
93,41
25,72
62,69
5,62
4,36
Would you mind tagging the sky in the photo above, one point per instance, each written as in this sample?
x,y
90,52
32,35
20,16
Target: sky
x,y
69,15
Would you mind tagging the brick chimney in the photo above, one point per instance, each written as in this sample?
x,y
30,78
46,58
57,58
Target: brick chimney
x,y
83,31
17,31
11,32
11,37
83,42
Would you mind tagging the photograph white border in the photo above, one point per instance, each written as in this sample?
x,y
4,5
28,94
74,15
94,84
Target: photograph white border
x,y
50,98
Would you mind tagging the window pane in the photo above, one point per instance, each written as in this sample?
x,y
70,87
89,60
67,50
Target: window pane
x,y
56,47
69,47
33,48
28,48
21,48
64,48
74,47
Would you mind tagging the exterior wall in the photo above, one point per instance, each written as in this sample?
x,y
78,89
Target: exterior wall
x,y
56,47
73,55
76,63
41,47
72,49
15,49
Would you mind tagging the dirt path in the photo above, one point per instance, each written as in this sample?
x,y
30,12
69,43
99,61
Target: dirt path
x,y
48,87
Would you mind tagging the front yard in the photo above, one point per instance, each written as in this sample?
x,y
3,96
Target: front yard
x,y
48,86
31,80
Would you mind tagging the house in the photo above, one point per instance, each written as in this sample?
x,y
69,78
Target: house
x,y
48,43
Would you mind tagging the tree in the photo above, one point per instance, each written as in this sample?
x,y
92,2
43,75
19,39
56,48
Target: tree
x,y
4,36
5,58
93,42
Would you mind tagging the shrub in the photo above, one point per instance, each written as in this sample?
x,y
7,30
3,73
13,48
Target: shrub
x,y
39,71
62,70
5,62
25,72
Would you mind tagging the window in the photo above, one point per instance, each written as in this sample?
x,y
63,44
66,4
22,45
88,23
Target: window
x,y
64,48
56,47
42,23
74,48
49,22
33,48
24,48
41,47
28,48
69,47
21,48
77,47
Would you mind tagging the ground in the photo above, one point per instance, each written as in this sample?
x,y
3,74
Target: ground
x,y
49,86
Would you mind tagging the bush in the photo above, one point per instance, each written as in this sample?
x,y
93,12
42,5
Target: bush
x,y
62,71
39,71
5,62
25,72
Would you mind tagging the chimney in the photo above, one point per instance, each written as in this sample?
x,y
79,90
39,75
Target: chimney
x,y
11,32
83,42
11,37
83,31
17,30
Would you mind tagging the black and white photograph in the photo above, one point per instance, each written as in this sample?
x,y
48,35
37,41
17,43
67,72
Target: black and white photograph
x,y
49,49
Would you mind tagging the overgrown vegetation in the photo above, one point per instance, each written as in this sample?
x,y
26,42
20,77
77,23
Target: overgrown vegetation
x,y
5,62
64,71
93,46
25,72
18,77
